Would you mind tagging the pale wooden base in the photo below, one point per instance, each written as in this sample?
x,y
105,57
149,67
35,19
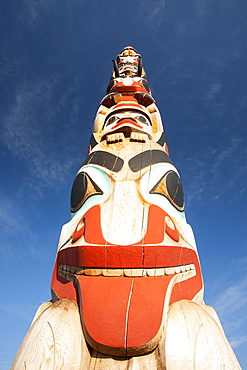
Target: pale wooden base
x,y
192,339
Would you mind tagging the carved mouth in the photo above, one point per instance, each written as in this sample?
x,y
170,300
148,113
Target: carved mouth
x,y
124,132
68,271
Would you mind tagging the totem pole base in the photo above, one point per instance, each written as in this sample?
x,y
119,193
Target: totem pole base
x,y
192,339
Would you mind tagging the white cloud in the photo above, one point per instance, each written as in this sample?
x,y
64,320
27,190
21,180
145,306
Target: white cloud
x,y
19,310
207,169
237,341
28,129
154,12
213,90
231,307
16,230
32,10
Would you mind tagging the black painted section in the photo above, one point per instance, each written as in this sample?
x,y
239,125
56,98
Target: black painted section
x,y
162,139
171,187
111,83
175,188
105,159
115,66
148,158
80,193
146,85
139,71
93,142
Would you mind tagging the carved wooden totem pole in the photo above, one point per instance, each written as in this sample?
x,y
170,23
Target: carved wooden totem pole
x,y
127,288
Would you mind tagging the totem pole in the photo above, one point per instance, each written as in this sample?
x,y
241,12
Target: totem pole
x,y
127,288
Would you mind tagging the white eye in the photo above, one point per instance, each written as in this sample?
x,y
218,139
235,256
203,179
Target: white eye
x,y
171,187
161,185
92,186
83,188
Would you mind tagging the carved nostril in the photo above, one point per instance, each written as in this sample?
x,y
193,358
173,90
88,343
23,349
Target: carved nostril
x,y
171,229
79,230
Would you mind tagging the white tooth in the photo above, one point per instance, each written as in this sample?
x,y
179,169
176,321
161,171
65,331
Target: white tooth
x,y
115,272
177,269
170,270
133,136
109,138
187,267
120,136
133,272
104,272
60,272
94,272
151,272
72,269
182,268
128,272
192,266
138,272
68,276
160,271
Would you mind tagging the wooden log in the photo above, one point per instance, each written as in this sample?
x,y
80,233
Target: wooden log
x,y
127,257
54,340
194,340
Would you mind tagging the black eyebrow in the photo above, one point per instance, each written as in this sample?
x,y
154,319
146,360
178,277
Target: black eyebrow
x,y
148,158
105,159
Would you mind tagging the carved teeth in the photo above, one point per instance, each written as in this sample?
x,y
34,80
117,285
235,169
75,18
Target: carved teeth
x,y
115,138
140,138
68,271
112,272
134,272
170,270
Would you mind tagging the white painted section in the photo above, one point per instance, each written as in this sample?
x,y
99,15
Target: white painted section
x,y
125,216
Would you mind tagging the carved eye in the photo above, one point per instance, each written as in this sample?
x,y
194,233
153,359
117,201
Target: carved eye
x,y
171,187
142,119
83,188
111,120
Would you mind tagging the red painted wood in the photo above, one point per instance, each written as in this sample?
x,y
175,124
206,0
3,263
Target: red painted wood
x,y
136,86
115,256
156,224
62,287
122,312
93,233
146,309
104,308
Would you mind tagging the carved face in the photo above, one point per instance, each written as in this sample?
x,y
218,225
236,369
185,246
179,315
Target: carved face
x,y
128,234
127,122
129,118
127,61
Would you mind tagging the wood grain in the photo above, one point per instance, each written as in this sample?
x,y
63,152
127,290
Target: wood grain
x,y
54,341
194,340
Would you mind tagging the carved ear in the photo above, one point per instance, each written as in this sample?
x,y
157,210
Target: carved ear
x,y
115,68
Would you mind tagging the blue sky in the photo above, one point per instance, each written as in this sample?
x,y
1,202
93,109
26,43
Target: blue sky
x,y
55,64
